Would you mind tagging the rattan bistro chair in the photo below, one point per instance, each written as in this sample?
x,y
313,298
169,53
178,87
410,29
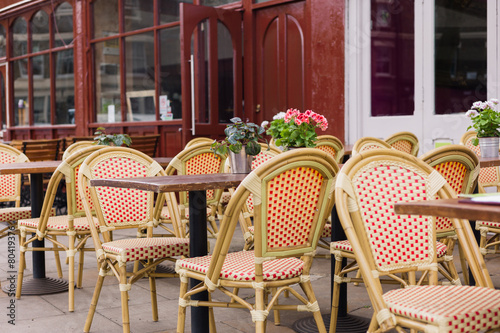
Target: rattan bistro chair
x,y
331,145
386,244
124,208
74,224
75,147
197,141
292,196
460,167
406,142
368,143
488,177
194,160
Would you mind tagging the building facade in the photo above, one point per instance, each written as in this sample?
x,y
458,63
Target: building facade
x,y
183,68
176,68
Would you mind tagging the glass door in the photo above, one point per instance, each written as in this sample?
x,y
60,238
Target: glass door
x,y
415,66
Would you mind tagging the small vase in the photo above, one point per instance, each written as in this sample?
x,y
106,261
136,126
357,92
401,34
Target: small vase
x,y
489,146
240,163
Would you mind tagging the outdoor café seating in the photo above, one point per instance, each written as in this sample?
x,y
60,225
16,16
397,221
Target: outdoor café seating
x,y
288,219
368,143
366,189
406,142
120,209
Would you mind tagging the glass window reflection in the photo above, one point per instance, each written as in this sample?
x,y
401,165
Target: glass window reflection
x,y
40,31
64,25
41,90
3,50
64,90
105,25
21,105
107,82
139,14
20,37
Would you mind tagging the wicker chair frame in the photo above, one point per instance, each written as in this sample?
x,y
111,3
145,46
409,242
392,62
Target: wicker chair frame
x,y
363,173
270,248
368,143
332,145
49,227
142,212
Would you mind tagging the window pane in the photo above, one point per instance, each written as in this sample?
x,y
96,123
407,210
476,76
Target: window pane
x,y
139,14
20,45
140,64
64,25
40,31
169,10
107,82
2,42
21,107
460,65
41,89
105,18
392,58
170,72
226,74
65,90
217,2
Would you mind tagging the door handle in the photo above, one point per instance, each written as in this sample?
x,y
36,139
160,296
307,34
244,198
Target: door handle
x,y
257,108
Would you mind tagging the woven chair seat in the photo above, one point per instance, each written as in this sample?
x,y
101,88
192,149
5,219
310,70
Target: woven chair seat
x,y
15,213
147,248
471,310
345,245
59,223
240,266
488,224
165,214
225,197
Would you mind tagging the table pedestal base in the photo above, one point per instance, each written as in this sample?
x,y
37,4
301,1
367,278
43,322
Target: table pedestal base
x,y
41,286
347,324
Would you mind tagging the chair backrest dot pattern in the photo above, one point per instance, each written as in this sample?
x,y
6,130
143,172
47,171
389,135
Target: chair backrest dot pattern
x,y
454,173
79,201
8,183
327,149
122,205
402,145
291,205
486,175
395,240
371,147
259,159
204,163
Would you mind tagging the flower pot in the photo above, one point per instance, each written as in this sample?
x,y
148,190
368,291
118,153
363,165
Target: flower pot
x,y
240,163
489,146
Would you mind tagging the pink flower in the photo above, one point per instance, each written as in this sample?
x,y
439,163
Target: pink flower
x,y
303,118
308,113
298,121
290,113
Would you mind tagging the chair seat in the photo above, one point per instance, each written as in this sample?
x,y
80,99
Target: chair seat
x,y
240,266
165,214
147,248
59,223
18,213
488,224
474,308
345,245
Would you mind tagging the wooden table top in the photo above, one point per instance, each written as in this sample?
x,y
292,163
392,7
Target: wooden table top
x,y
454,208
175,183
486,162
51,166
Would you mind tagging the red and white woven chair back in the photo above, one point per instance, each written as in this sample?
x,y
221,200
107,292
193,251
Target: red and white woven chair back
x,y
293,196
396,241
402,145
405,142
121,206
10,185
331,145
196,160
487,176
367,144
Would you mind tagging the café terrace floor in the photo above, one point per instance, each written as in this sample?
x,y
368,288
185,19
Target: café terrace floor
x,y
49,313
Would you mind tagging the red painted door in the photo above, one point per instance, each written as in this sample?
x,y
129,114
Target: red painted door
x,y
211,68
281,58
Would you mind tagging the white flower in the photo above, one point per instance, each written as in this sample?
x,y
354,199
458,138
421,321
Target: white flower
x,y
477,104
264,123
494,101
471,113
279,115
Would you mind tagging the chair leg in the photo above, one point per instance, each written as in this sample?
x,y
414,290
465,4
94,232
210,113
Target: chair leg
x,y
335,297
57,258
277,319
95,298
154,301
181,314
71,273
79,279
463,264
22,264
260,326
124,298
307,287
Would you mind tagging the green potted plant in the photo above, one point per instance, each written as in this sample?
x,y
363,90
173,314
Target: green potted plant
x,y
296,129
241,143
111,139
486,121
